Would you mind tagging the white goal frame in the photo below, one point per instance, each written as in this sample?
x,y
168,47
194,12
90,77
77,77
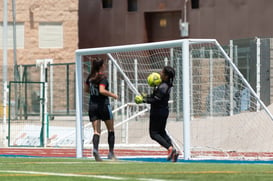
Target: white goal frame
x,y
184,43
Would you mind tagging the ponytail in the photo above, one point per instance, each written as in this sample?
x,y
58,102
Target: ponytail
x,y
170,72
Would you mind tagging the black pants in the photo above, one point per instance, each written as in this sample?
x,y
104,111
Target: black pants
x,y
158,121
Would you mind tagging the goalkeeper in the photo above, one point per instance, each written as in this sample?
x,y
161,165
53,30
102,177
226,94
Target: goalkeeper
x,y
160,111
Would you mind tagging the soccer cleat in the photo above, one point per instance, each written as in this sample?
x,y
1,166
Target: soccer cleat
x,y
171,152
97,156
175,157
112,156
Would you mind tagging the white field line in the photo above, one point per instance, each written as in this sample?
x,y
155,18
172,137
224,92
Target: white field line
x,y
76,175
63,174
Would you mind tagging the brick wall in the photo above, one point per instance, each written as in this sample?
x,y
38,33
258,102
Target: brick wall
x,y
33,12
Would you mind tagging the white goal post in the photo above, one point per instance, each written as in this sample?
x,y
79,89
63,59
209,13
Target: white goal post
x,y
211,100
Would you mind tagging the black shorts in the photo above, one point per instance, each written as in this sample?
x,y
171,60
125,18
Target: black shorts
x,y
100,112
158,119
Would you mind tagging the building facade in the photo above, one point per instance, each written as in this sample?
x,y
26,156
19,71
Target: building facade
x,y
119,22
44,30
55,29
116,22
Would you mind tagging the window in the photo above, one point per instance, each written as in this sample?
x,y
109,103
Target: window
x,y
194,4
107,3
50,35
20,34
132,5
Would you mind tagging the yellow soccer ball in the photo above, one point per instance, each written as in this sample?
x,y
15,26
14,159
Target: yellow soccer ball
x,y
154,79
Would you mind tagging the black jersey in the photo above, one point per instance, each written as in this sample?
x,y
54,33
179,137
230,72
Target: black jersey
x,y
95,96
160,96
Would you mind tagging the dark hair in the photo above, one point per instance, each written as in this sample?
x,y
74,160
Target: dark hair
x,y
170,72
95,76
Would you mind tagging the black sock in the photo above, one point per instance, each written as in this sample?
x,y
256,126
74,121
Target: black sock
x,y
96,140
111,141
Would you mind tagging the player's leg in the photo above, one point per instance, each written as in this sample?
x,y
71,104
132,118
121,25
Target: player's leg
x,y
155,129
172,152
111,138
96,139
163,132
158,121
96,123
96,136
109,123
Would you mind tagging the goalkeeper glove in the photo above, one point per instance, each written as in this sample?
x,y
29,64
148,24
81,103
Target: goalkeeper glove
x,y
144,95
139,99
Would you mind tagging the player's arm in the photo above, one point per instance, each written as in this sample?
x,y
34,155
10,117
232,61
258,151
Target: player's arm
x,y
105,92
150,99
86,87
158,94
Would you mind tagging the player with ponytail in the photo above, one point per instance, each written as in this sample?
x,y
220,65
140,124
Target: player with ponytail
x,y
99,109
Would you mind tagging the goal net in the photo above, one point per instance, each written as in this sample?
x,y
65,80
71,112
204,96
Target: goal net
x,y
214,112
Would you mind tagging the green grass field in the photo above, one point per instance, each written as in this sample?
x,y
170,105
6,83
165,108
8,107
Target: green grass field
x,y
66,169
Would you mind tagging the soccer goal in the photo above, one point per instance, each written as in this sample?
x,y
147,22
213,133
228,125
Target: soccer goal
x,y
214,112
